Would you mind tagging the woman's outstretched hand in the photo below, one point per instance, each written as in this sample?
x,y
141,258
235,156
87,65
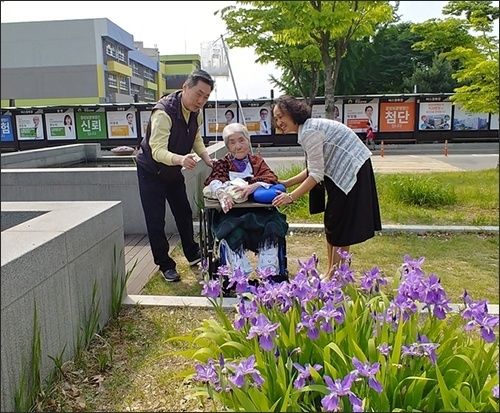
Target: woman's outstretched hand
x,y
282,199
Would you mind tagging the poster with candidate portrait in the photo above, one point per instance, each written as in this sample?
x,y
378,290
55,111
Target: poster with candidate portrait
x,y
463,120
397,115
359,114
121,123
144,116
216,118
60,124
29,126
257,118
318,111
434,115
7,132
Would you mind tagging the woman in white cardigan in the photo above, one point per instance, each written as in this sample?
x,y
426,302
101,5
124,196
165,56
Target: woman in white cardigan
x,y
336,156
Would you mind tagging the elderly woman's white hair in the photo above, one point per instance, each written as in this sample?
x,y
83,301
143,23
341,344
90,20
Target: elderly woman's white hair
x,y
233,128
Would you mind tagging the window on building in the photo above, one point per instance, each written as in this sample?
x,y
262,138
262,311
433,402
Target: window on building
x,y
175,81
135,89
135,68
123,84
120,55
149,75
110,50
149,94
112,81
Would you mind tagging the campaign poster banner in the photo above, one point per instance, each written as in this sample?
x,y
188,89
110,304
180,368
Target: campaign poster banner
x,y
7,132
258,119
91,124
359,114
463,120
435,115
318,111
144,116
494,121
30,127
397,115
217,118
61,125
122,124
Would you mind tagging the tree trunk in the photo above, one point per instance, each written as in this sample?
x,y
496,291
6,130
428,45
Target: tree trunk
x,y
329,89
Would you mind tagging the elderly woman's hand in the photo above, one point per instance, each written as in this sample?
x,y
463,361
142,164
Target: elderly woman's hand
x,y
246,191
225,200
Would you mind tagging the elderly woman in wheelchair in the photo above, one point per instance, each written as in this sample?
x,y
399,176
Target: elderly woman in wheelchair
x,y
235,179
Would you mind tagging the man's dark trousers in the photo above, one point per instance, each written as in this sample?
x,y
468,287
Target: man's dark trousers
x,y
153,191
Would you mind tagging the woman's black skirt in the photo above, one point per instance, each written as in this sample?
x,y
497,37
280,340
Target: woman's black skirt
x,y
352,218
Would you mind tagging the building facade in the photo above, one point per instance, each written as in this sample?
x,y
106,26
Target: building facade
x,y
88,61
174,70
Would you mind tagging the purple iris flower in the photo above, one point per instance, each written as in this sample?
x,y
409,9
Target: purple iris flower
x,y
265,273
413,350
211,289
434,294
372,280
384,349
224,271
309,266
486,324
266,332
412,265
238,278
309,323
300,287
304,374
368,370
420,349
247,310
339,388
273,295
495,391
244,368
206,373
330,312
477,314
343,275
344,255
404,305
428,348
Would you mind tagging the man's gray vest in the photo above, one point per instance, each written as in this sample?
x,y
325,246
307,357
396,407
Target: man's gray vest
x,y
181,138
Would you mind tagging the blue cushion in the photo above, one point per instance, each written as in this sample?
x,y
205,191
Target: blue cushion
x,y
266,196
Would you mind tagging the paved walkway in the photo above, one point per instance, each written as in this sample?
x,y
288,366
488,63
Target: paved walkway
x,y
408,163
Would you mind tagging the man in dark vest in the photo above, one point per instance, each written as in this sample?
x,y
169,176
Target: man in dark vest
x,y
172,134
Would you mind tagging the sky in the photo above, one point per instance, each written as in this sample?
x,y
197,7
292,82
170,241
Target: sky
x,y
193,23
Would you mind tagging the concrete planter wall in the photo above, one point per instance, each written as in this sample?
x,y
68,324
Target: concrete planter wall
x,y
52,255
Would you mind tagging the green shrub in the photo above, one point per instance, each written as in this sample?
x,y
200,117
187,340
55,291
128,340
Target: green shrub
x,y
422,191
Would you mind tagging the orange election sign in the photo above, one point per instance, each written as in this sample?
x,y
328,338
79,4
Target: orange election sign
x,y
397,116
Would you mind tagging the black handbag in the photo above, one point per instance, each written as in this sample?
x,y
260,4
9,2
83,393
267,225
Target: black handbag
x,y
317,198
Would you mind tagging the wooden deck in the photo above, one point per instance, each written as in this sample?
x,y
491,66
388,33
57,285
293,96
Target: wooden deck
x,y
138,252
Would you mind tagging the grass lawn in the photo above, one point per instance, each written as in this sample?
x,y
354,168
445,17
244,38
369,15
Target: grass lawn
x,y
476,193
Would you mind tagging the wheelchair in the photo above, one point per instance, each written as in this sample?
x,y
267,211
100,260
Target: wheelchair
x,y
210,244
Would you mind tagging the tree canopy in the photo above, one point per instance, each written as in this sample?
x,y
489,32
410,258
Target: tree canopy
x,y
358,47
466,42
311,34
